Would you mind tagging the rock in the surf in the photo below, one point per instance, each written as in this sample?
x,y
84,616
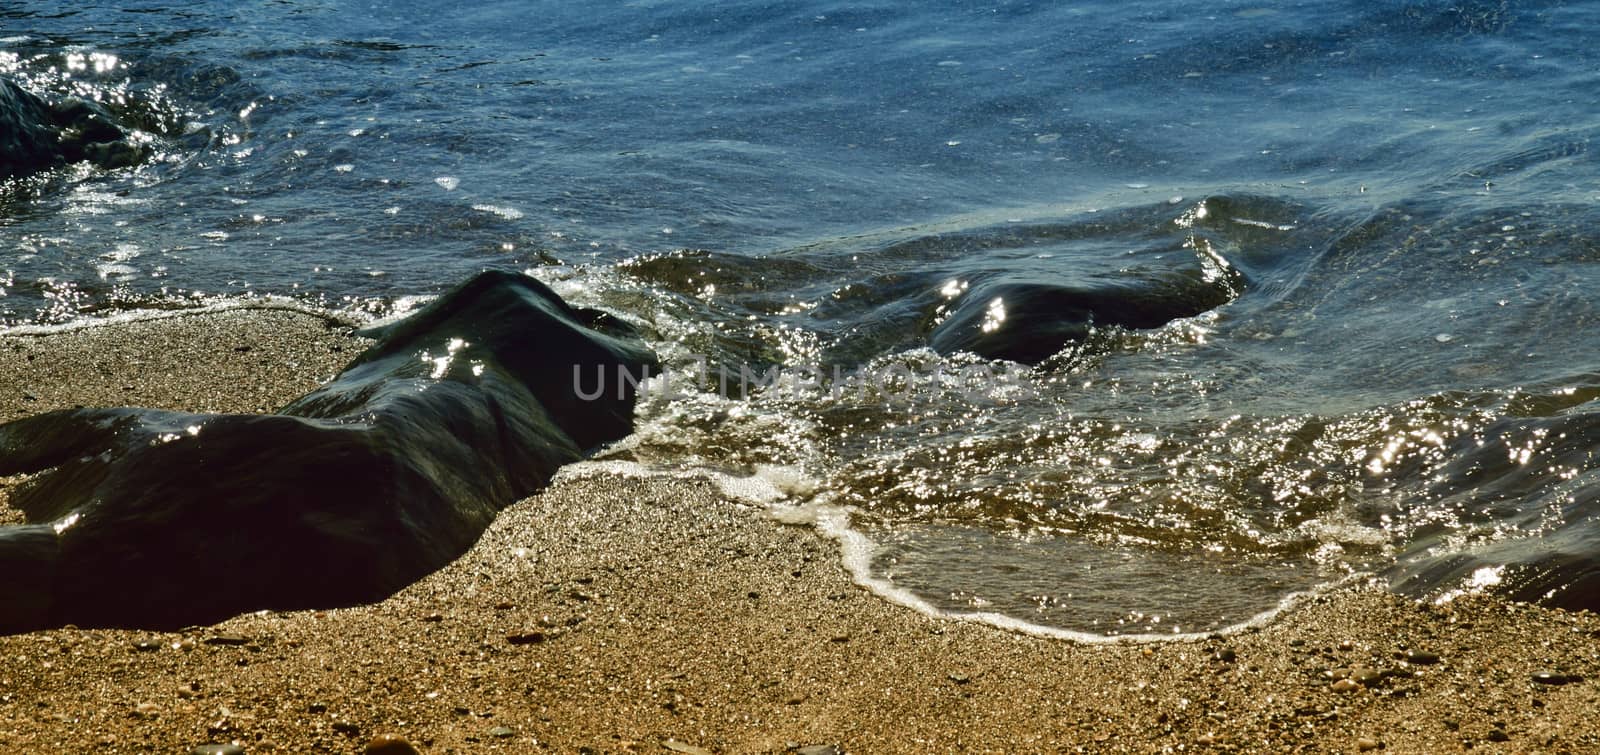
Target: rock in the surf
x,y
1045,289
161,519
37,135
1024,321
27,142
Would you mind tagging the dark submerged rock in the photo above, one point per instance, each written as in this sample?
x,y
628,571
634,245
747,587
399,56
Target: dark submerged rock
x,y
27,142
162,519
36,135
1058,282
1025,293
1028,322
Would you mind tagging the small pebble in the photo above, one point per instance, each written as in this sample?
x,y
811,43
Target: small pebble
x,y
1366,743
1499,735
684,747
1346,645
1422,658
960,678
389,744
1227,655
147,646
227,639
526,638
1345,685
818,750
1554,678
1366,677
229,749
502,732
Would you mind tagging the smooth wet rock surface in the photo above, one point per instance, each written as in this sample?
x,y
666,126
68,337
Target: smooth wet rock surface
x,y
389,471
37,135
1422,657
1555,678
388,744
221,749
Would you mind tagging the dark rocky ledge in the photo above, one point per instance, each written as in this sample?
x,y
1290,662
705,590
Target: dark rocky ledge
x,y
159,519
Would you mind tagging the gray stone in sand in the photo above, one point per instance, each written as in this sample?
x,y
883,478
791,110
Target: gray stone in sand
x,y
819,750
226,749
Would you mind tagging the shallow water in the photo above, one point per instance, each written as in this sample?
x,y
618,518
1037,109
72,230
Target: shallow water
x,y
1383,214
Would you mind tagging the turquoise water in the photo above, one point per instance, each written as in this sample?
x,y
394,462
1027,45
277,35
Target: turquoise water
x,y
1383,212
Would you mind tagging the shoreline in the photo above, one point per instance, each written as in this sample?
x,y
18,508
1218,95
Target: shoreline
x,y
659,615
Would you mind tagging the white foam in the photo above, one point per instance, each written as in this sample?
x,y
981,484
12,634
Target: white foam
x,y
754,489
770,485
505,213
790,497
1340,530
1477,583
1264,224
269,303
857,551
402,308
592,468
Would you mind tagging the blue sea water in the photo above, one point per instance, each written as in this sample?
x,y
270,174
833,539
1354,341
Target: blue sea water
x,y
1402,381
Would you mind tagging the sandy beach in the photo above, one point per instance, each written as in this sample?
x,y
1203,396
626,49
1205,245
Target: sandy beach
x,y
623,615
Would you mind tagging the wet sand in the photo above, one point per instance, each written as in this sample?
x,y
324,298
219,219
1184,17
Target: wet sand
x,y
621,615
